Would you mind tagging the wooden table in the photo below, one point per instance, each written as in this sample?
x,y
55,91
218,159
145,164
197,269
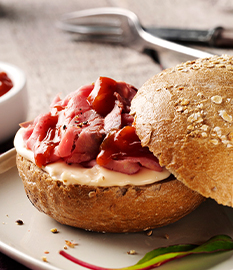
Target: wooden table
x,y
55,63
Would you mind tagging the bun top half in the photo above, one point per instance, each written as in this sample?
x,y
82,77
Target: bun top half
x,y
185,116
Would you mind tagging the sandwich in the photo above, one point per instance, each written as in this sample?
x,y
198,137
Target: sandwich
x,y
111,158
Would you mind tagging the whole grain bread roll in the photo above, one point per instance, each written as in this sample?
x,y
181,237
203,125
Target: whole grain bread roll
x,y
107,209
185,116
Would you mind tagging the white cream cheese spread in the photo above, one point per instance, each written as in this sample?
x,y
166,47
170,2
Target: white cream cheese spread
x,y
95,176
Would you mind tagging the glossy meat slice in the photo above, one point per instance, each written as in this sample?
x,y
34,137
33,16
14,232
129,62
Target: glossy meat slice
x,y
76,127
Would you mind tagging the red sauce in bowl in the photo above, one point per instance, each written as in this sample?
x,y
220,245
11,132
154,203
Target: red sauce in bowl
x,y
5,83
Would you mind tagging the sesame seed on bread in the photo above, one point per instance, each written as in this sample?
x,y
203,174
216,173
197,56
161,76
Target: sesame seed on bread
x,y
185,116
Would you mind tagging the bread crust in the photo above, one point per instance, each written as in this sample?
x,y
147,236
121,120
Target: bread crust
x,y
185,116
107,209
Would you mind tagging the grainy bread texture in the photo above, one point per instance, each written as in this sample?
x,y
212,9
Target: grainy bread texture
x,y
185,116
110,209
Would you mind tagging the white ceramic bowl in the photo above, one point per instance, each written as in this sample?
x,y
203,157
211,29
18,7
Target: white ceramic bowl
x,y
13,104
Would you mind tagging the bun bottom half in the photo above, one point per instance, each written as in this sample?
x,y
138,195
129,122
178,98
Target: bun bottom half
x,y
108,209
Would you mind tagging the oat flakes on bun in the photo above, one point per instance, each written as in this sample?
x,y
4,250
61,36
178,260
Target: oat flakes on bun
x,y
83,163
185,116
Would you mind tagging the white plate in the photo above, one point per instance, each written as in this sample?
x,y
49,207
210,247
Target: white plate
x,y
28,242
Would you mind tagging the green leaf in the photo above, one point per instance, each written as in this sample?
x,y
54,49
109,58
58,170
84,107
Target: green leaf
x,y
160,251
159,256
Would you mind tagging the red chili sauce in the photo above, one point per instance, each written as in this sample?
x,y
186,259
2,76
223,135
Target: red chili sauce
x,y
102,98
120,143
5,83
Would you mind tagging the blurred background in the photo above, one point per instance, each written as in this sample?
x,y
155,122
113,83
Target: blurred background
x,y
54,63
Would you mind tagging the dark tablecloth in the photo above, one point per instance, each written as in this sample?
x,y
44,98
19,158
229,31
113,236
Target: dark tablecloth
x,y
7,263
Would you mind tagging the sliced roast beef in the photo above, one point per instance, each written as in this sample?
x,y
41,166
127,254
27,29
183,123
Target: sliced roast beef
x,y
86,147
67,141
113,120
86,144
147,161
90,126
43,139
126,119
131,165
125,94
76,104
123,166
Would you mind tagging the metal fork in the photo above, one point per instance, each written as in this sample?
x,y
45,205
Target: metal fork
x,y
120,26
